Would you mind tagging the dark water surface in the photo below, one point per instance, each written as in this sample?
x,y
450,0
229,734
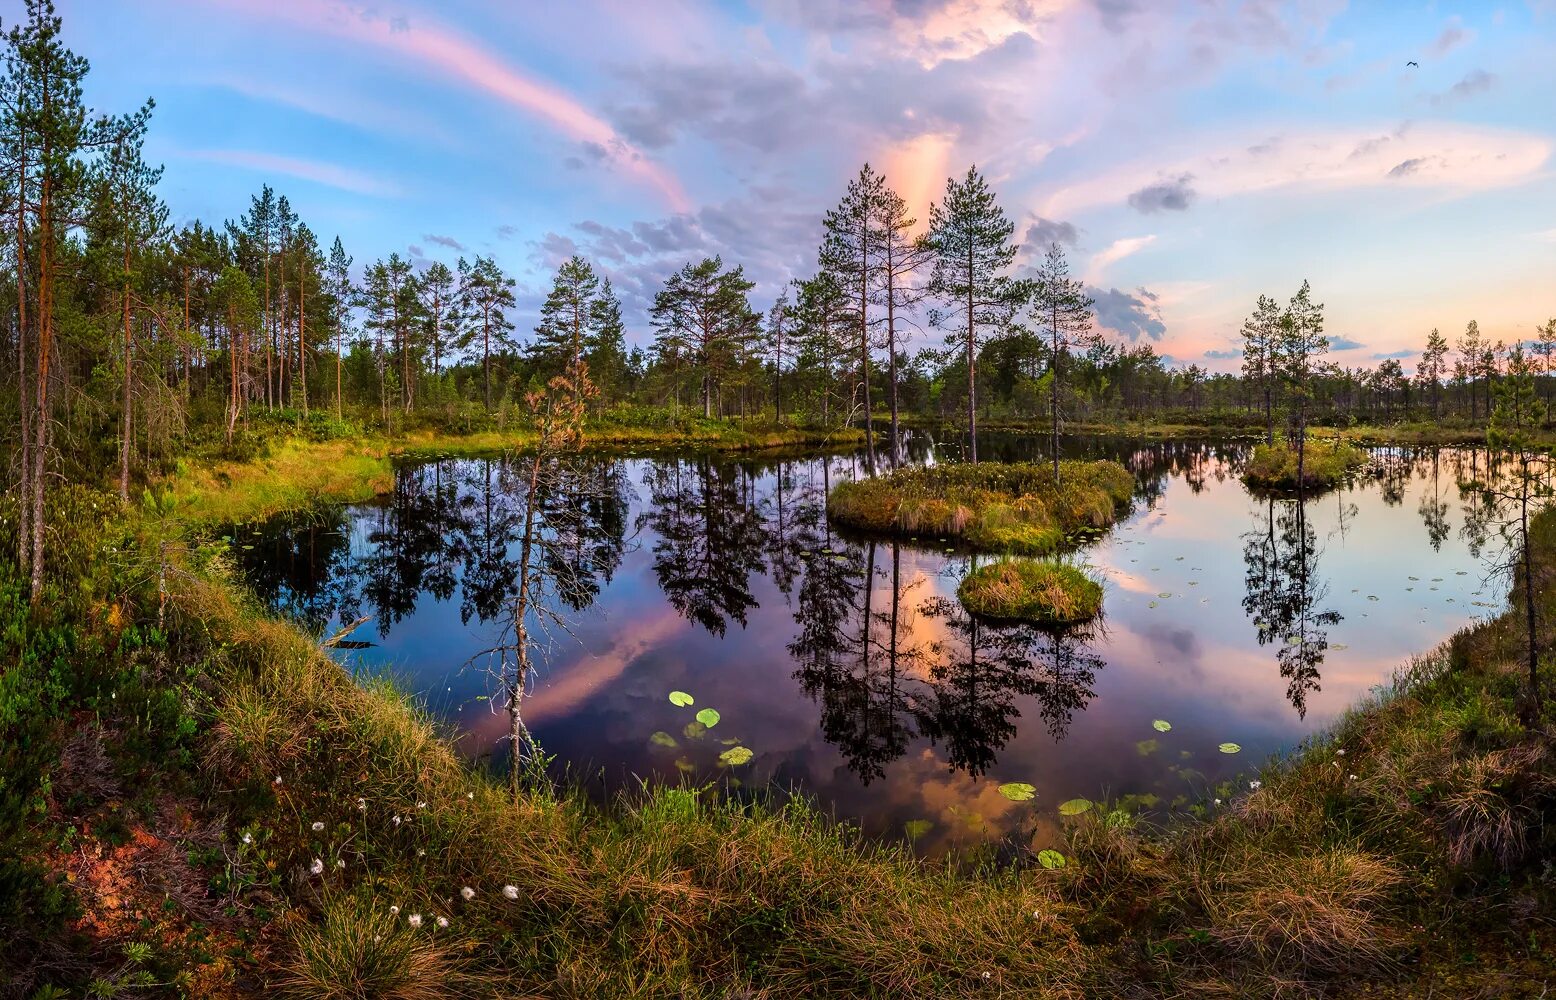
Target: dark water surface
x,y
847,665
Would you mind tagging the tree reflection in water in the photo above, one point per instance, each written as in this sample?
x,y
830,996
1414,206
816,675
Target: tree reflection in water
x,y
1283,593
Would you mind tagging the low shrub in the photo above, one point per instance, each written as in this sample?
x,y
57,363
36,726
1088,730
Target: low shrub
x,y
1325,463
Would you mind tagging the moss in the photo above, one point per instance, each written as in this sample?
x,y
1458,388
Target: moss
x,y
1048,593
991,506
1326,463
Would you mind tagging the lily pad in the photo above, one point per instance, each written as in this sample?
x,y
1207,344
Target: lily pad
x,y
708,717
1018,791
1050,859
735,756
663,739
916,828
1074,807
1229,748
1162,726
680,699
693,730
1147,747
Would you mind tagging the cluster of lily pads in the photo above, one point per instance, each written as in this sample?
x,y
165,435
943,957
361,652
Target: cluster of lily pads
x,y
1021,791
706,718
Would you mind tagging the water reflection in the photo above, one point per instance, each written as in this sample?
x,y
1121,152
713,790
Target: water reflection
x,y
846,662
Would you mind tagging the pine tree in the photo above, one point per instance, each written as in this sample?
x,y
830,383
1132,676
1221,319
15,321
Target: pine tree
x,y
1471,349
1300,346
566,329
779,319
849,251
437,291
702,320
823,314
1060,306
901,255
971,240
1261,338
607,353
1544,352
1433,367
485,296
342,296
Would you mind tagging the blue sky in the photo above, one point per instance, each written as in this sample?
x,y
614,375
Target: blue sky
x,y
1191,156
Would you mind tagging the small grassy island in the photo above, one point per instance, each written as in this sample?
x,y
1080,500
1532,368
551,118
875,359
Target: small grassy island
x,y
1325,464
1043,592
993,507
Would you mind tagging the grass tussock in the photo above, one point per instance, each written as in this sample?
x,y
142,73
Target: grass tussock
x,y
1048,593
355,951
1326,462
992,506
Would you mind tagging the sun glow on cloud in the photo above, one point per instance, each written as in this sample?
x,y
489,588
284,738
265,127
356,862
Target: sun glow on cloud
x,y
917,170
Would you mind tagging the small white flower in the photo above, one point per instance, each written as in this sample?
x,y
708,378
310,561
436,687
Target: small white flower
x,y
414,920
421,854
468,893
361,805
394,911
1255,785
442,921
396,820
1341,751
986,975
317,867
511,891
248,838
340,862
421,805
317,826
469,795
1218,801
1353,777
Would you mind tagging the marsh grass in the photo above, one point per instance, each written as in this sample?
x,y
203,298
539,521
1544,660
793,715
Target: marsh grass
x,y
991,506
1045,592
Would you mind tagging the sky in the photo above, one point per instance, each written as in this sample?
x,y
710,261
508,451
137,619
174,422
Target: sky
x,y
1190,156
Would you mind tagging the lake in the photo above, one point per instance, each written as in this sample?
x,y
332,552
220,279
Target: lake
x,y
846,664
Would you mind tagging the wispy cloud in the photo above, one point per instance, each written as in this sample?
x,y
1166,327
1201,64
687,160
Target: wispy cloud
x,y
454,57
316,171
1113,253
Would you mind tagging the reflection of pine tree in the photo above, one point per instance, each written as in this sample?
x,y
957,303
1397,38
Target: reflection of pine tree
x,y
586,514
406,540
1283,593
492,521
710,538
1434,510
295,564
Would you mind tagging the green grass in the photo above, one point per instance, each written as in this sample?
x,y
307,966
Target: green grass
x,y
1326,462
1048,593
991,506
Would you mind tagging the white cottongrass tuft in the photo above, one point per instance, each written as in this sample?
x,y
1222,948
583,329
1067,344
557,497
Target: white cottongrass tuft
x,y
361,805
1255,785
1341,751
394,911
442,921
277,781
317,867
248,838
511,891
317,826
414,920
468,893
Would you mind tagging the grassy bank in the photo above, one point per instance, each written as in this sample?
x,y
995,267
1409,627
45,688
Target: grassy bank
x,y
168,791
992,506
1325,463
1047,593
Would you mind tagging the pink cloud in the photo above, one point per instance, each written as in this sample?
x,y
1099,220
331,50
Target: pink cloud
x,y
454,57
316,171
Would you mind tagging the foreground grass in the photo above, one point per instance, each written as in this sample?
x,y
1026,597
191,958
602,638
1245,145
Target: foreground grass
x,y
1047,593
992,506
1325,463
224,754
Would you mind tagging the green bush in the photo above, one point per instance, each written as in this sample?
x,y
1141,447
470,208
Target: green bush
x,y
1047,593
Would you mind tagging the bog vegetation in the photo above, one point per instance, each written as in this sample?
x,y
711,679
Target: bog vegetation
x,y
195,799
